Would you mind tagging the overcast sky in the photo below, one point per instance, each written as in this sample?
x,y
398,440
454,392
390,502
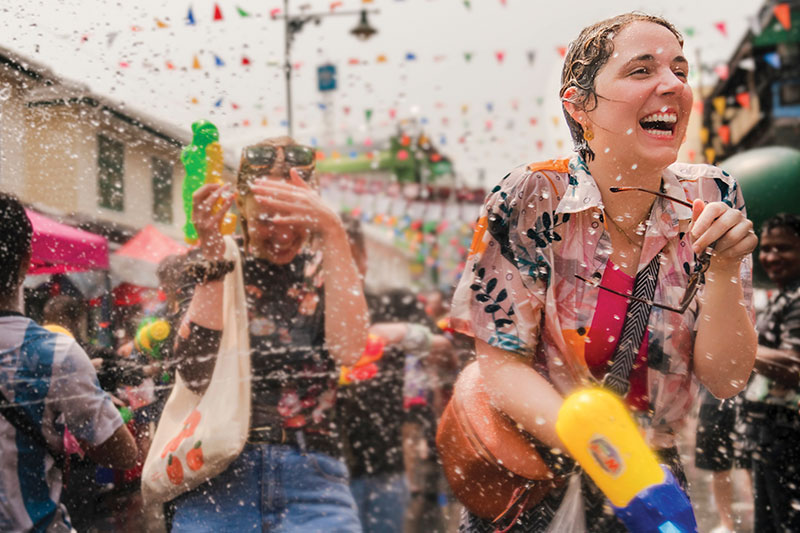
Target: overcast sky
x,y
489,115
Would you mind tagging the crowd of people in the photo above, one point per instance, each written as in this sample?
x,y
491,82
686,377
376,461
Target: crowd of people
x,y
272,390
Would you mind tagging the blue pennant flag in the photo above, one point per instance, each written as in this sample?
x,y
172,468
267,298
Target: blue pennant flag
x,y
190,17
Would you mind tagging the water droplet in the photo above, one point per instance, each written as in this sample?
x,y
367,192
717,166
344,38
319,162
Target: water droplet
x,y
630,130
619,177
540,420
634,166
607,150
5,93
660,51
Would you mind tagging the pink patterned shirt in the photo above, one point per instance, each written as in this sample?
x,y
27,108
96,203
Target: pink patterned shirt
x,y
542,224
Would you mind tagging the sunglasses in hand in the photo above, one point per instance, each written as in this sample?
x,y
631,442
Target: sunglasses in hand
x,y
695,279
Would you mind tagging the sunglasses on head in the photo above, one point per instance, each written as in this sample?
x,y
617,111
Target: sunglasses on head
x,y
262,157
695,278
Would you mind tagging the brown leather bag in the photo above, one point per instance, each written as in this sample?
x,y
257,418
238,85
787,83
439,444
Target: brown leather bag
x,y
491,464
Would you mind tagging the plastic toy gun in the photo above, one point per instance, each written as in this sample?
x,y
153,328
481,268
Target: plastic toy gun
x,y
602,437
151,336
203,163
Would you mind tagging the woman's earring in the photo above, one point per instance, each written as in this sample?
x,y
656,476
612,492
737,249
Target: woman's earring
x,y
588,134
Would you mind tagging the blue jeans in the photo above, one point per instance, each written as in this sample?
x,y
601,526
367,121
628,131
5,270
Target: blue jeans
x,y
271,488
381,501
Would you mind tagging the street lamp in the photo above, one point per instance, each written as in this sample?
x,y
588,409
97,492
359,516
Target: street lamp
x,y
295,23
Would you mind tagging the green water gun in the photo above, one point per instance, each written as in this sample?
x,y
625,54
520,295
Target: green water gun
x,y
203,163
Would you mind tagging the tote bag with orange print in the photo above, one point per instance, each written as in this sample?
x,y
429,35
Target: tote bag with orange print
x,y
198,436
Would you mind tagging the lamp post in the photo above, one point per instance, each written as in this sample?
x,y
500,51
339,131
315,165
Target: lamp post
x,y
294,23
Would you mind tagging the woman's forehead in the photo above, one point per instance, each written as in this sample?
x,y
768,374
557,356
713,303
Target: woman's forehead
x,y
642,38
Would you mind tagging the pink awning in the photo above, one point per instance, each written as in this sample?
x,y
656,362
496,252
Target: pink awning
x,y
151,245
58,248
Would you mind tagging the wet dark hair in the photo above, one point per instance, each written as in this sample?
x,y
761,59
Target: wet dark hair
x,y
15,242
787,221
585,57
64,310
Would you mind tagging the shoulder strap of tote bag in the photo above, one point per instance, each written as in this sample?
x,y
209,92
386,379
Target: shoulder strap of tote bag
x,y
636,319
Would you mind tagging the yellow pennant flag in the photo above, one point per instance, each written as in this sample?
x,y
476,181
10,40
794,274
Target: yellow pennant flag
x,y
719,104
704,135
381,59
196,63
710,155
161,24
264,121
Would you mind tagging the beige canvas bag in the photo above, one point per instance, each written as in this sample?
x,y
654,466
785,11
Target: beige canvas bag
x,y
199,436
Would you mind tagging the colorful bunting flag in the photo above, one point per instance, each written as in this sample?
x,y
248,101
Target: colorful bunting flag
x,y
500,55
743,99
724,132
218,103
722,27
467,56
196,63
160,24
217,12
242,12
410,56
264,121
773,59
703,135
218,61
722,71
783,12
392,113
334,5
697,107
170,66
381,59
245,61
368,114
274,12
562,51
747,63
689,31
194,100
190,17
719,104
711,155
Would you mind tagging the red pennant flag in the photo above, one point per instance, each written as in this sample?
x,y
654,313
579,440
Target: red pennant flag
x,y
692,155
562,51
500,55
534,121
722,27
743,99
346,110
784,15
274,12
353,61
334,5
170,66
392,113
245,122
722,71
124,64
724,133
217,12
697,107
245,61
540,145
234,106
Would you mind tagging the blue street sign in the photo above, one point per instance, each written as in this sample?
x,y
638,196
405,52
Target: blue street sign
x,y
326,77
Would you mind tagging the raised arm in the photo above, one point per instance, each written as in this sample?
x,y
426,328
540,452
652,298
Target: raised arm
x,y
725,346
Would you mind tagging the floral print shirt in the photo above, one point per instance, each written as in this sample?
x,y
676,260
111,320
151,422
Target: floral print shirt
x,y
543,224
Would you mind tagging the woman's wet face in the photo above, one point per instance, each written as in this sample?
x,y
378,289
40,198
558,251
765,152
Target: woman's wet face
x,y
644,99
277,243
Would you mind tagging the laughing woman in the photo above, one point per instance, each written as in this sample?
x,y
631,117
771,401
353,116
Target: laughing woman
x,y
547,225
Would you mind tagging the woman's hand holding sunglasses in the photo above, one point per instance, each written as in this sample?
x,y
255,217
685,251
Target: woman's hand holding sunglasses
x,y
294,204
209,205
726,226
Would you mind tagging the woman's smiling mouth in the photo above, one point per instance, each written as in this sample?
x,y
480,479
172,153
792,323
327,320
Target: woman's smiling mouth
x,y
660,125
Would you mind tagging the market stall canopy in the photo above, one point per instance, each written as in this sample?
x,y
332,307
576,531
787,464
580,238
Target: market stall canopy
x,y
136,261
58,248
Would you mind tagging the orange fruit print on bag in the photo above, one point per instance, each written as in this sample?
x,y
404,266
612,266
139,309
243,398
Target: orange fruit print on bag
x,y
194,457
174,470
189,425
